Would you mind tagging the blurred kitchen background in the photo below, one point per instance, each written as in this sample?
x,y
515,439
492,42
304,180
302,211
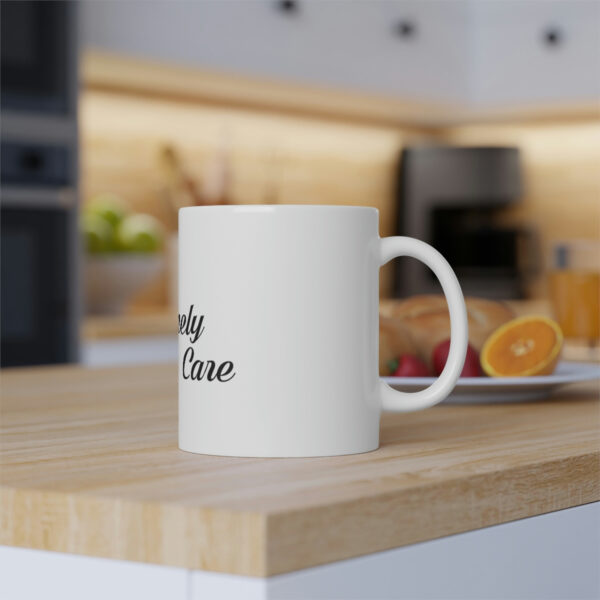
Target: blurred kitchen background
x,y
471,124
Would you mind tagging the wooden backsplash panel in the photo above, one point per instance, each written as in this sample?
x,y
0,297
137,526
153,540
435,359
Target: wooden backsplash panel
x,y
291,159
306,160
274,158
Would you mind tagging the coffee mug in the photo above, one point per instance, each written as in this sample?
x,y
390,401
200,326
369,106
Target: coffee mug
x,y
278,330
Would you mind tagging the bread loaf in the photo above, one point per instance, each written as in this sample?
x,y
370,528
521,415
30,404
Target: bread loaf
x,y
424,321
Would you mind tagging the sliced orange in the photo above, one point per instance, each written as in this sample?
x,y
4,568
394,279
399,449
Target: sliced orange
x,y
522,347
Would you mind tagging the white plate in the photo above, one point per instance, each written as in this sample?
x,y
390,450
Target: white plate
x,y
480,390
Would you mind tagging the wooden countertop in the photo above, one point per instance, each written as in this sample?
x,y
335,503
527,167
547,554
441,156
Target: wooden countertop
x,y
163,323
129,325
90,465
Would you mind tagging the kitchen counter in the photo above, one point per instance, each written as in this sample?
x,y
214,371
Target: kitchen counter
x,y
108,339
90,466
140,324
144,323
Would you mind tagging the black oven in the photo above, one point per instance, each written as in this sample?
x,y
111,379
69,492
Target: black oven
x,y
36,38
37,266
38,184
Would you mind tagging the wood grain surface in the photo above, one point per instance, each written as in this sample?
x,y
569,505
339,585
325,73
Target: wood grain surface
x,y
90,465
141,324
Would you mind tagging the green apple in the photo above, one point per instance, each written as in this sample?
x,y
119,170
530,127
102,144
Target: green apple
x,y
97,234
140,233
109,207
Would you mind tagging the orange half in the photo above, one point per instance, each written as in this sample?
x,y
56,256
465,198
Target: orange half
x,y
522,347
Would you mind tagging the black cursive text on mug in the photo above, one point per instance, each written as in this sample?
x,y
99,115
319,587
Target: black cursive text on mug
x,y
192,326
192,368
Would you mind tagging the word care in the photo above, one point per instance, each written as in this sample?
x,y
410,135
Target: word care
x,y
191,326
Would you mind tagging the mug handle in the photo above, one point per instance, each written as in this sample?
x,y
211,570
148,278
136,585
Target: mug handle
x,y
392,247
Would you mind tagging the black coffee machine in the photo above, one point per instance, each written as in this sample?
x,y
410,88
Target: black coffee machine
x,y
453,198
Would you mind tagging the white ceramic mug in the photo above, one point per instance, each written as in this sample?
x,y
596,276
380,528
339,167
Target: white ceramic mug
x,y
278,330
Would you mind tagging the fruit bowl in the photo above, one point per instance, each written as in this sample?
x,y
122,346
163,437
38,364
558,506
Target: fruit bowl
x,y
111,280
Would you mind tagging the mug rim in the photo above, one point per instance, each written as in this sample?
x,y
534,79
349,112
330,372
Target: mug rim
x,y
271,208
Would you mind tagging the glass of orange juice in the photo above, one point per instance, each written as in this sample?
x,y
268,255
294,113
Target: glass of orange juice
x,y
575,289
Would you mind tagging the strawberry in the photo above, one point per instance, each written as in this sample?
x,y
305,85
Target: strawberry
x,y
471,367
411,366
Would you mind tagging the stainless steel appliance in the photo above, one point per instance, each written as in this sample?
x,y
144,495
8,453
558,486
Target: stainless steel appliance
x,y
453,198
38,184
